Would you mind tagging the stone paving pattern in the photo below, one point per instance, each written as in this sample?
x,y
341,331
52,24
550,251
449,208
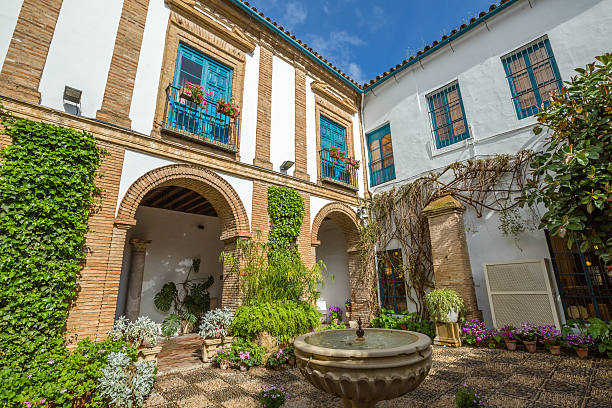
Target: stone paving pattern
x,y
505,379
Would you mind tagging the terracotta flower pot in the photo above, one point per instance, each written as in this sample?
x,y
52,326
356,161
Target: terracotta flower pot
x,y
404,327
531,346
348,308
555,350
291,361
224,365
510,344
582,352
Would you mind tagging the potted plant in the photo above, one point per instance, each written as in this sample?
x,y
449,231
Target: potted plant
x,y
579,342
551,338
243,360
222,357
509,335
335,313
290,353
143,334
215,328
195,93
230,109
529,336
272,396
341,156
444,305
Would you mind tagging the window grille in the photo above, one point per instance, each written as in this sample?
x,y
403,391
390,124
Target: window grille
x,y
448,116
391,281
533,76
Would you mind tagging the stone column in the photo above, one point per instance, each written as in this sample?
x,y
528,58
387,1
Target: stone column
x,y
139,251
451,261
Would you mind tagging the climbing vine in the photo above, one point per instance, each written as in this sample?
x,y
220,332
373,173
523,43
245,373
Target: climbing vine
x,y
489,184
286,211
47,193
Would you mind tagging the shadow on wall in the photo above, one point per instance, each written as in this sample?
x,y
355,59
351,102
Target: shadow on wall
x,y
332,252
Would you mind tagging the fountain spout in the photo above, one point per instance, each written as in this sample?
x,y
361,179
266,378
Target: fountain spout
x,y
360,331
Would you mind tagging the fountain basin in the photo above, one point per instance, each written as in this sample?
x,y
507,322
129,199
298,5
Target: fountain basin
x,y
388,364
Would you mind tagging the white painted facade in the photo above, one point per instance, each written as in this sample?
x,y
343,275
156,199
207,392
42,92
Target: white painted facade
x,y
175,241
9,13
80,54
577,30
249,107
144,97
282,125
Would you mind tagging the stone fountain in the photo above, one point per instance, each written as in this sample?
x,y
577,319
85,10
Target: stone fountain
x,y
366,367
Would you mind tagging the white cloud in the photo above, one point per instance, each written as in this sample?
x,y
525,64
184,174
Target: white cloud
x,y
337,48
295,13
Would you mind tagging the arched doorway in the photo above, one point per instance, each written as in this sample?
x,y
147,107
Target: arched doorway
x,y
181,213
335,235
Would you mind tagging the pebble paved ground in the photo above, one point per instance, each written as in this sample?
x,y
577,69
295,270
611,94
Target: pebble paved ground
x,y
506,379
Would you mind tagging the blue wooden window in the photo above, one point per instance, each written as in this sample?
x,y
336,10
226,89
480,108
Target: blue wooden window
x,y
380,149
197,68
448,116
532,75
391,281
333,135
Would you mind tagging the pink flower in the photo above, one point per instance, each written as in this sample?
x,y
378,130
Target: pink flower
x,y
27,404
42,401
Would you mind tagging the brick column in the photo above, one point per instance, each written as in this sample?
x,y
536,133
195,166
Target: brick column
x,y
264,111
137,265
301,161
304,240
260,220
451,261
361,288
231,295
27,53
122,71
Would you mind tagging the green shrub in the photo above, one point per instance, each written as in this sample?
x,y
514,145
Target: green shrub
x,y
441,302
47,192
286,211
385,320
256,352
282,319
125,384
406,321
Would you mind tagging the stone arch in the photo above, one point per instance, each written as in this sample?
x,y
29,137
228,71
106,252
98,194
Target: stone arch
x,y
220,194
345,217
360,283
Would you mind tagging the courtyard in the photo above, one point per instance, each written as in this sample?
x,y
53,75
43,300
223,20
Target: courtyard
x,y
504,379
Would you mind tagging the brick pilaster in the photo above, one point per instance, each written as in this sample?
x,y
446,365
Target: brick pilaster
x,y
304,240
93,310
27,53
122,72
361,288
231,296
260,221
264,109
451,260
301,161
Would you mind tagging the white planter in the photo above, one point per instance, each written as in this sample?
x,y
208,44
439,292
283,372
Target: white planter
x,y
453,316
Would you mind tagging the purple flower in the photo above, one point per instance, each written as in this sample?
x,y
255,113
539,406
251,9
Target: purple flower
x,y
50,362
30,375
63,390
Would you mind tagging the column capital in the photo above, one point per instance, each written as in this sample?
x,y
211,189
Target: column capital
x,y
139,244
444,205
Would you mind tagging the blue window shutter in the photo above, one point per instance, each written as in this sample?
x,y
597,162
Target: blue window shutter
x,y
448,130
380,171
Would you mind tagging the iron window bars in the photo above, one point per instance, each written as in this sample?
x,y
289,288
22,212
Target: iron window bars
x,y
448,116
533,75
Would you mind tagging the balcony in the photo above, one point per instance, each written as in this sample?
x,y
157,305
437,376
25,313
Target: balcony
x,y
333,171
201,124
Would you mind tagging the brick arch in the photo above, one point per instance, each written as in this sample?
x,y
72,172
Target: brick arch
x,y
220,194
345,217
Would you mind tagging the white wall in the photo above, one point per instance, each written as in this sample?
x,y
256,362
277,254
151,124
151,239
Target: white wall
x,y
9,14
144,97
357,145
80,53
577,30
175,241
244,189
486,243
332,252
135,165
311,131
282,127
249,107
316,203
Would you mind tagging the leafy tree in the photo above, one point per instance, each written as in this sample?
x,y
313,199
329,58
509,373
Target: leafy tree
x,y
572,176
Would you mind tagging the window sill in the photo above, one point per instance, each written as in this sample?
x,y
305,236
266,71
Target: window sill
x,y
203,140
451,148
339,183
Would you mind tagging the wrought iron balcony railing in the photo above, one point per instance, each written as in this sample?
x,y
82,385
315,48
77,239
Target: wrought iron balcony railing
x,y
337,172
203,124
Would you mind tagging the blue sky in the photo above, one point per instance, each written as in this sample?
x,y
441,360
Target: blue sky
x,y
366,38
